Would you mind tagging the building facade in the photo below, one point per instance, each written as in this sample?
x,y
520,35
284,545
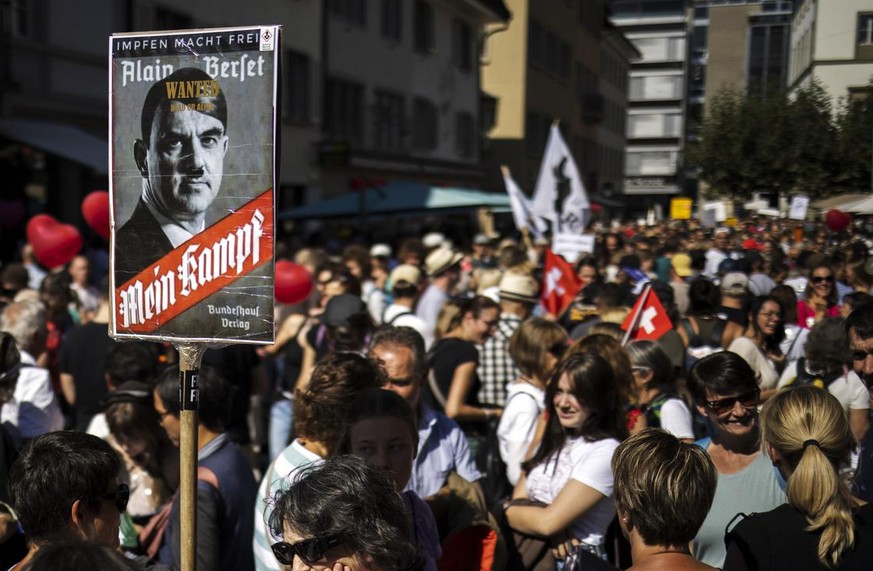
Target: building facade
x,y
371,90
657,97
402,97
558,61
832,43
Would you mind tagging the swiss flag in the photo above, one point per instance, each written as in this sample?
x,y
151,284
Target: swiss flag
x,y
560,283
648,319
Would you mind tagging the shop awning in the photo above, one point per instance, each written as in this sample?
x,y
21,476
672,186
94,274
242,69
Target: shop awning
x,y
838,201
59,139
862,206
401,198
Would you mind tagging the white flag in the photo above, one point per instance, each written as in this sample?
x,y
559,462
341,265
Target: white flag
x,y
521,209
560,196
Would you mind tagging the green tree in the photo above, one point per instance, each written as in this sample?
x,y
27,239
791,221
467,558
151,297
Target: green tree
x,y
854,148
767,142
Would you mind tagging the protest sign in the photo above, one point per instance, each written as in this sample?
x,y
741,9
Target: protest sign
x,y
680,208
799,206
193,137
572,246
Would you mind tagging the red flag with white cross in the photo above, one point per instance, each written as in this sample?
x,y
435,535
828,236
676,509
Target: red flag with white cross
x,y
648,319
560,283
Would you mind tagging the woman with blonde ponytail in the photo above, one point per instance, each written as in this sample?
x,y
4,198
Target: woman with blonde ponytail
x,y
807,435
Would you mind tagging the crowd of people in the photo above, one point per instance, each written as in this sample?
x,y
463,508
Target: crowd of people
x,y
421,409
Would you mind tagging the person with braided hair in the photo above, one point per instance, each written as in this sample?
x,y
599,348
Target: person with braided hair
x,y
807,435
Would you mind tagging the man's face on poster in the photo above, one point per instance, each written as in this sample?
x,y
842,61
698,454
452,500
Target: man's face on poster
x,y
184,161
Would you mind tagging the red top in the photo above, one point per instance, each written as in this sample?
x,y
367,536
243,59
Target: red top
x,y
806,314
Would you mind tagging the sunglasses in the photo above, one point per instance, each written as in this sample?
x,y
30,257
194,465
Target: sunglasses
x,y
120,496
746,400
861,355
823,279
309,550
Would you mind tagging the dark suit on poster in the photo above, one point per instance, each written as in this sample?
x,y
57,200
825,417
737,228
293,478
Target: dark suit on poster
x,y
139,243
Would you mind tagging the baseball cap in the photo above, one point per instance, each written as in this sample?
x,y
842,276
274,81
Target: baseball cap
x,y
405,273
380,251
735,283
681,265
433,239
342,310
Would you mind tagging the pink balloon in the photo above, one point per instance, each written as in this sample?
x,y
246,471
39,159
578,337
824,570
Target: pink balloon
x,y
95,211
54,244
293,282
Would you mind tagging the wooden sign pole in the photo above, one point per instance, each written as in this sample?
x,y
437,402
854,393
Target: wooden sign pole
x,y
190,356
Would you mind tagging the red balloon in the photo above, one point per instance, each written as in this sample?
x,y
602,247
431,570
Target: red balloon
x,y
95,211
54,244
837,220
293,282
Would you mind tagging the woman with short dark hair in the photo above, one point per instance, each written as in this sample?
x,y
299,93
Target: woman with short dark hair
x,y
343,514
727,394
320,418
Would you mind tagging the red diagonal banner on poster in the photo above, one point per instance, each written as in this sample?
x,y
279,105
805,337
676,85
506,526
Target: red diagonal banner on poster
x,y
229,249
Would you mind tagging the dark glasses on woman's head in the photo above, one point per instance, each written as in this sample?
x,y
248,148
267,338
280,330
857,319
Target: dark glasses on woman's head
x,y
746,400
120,496
822,279
309,550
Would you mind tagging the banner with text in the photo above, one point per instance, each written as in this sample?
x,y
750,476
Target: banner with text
x,y
192,156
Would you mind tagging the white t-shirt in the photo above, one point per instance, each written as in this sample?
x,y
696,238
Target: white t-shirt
x,y
848,389
755,357
676,419
585,462
524,403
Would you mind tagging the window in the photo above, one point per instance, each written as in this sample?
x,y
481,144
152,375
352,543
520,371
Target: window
x,y
424,33
297,88
547,52
865,29
654,125
465,134
654,87
647,163
768,58
425,125
536,133
462,45
661,49
392,19
351,11
344,111
388,121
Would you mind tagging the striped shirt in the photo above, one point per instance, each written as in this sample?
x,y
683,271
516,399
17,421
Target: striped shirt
x,y
279,476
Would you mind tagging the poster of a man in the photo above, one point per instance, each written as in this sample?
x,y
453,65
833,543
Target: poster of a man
x,y
180,157
193,170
